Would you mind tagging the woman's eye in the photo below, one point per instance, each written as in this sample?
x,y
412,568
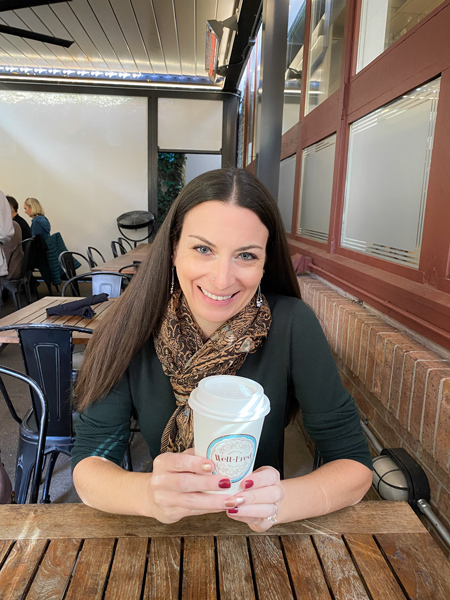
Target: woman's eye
x,y
247,256
202,249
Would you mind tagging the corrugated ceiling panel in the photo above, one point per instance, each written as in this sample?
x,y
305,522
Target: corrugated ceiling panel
x,y
9,54
127,22
38,52
109,24
165,18
186,25
29,20
145,16
68,18
77,58
89,22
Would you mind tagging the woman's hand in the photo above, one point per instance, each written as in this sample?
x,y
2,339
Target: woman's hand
x,y
261,496
174,490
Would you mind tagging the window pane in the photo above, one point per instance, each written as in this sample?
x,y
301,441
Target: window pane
x,y
286,190
294,64
316,187
383,22
325,50
388,166
185,124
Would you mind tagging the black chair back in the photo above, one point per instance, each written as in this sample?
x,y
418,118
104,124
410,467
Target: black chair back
x,y
90,255
69,266
43,421
47,356
125,243
117,248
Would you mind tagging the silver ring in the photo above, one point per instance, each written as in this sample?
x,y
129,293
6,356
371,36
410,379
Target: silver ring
x,y
273,518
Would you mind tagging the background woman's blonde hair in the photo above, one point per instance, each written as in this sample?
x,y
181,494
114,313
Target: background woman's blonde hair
x,y
35,207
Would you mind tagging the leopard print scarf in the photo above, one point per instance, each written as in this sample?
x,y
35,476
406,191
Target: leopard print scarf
x,y
186,359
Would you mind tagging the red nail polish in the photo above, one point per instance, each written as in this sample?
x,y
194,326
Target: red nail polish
x,y
224,483
232,511
248,484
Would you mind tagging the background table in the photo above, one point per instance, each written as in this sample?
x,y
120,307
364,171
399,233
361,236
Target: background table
x,y
35,313
138,253
375,550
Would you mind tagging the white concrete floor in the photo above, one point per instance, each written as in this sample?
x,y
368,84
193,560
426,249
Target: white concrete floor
x,y
298,459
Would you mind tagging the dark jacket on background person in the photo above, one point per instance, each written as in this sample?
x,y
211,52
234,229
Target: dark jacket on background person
x,y
26,230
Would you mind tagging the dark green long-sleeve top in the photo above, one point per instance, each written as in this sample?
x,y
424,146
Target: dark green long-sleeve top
x,y
293,365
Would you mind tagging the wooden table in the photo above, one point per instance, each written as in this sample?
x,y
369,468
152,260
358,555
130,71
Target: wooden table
x,y
35,313
375,550
138,253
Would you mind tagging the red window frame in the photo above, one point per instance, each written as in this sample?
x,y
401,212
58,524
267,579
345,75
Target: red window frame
x,y
419,298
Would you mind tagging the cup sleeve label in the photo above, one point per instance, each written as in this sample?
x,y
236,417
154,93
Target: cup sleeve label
x,y
232,455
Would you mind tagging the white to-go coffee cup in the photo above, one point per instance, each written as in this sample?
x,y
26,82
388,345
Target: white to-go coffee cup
x,y
228,414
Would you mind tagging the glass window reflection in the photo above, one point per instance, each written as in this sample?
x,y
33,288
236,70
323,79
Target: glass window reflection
x,y
383,22
325,50
294,64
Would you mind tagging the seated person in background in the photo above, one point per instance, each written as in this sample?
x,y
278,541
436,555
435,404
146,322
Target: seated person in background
x,y
40,224
26,231
6,233
15,265
217,295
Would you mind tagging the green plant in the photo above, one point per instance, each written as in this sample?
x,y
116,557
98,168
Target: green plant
x,y
171,177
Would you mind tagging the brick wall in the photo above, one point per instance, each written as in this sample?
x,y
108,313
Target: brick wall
x,y
400,386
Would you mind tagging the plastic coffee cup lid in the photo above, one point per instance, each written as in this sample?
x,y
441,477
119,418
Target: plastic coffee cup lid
x,y
230,398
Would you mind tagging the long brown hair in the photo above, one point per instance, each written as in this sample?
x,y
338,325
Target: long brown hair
x,y
135,315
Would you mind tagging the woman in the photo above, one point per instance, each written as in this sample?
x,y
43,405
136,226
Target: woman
x,y
39,224
196,308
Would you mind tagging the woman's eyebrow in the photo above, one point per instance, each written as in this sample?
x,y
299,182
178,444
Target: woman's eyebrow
x,y
243,249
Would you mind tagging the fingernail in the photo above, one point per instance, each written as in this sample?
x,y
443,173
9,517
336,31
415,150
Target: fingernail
x,y
224,483
231,503
239,501
248,484
232,511
206,467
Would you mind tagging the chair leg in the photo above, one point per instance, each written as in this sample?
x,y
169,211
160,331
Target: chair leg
x,y
51,466
26,458
16,299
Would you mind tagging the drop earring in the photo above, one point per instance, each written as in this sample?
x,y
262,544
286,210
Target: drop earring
x,y
259,298
173,280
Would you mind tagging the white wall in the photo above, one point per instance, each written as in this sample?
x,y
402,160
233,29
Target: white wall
x,y
84,157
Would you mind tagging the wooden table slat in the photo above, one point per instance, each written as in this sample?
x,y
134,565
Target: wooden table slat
x,y
339,569
373,567
421,566
20,567
5,545
77,520
36,313
272,579
199,569
90,573
235,573
127,573
306,573
163,571
139,253
54,572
